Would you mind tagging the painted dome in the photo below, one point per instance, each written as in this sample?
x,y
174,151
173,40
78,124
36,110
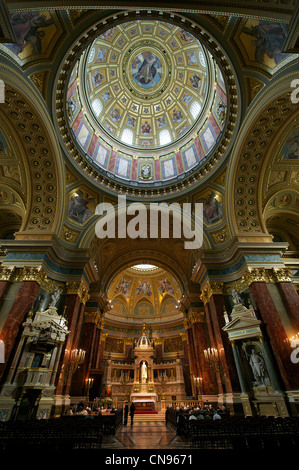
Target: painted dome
x,y
146,101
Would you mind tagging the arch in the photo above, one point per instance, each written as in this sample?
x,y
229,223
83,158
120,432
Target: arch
x,y
27,109
253,148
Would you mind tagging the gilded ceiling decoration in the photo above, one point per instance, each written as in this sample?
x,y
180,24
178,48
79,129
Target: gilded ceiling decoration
x,y
143,86
146,104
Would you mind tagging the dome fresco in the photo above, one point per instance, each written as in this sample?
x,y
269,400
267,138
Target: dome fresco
x,y
146,101
144,293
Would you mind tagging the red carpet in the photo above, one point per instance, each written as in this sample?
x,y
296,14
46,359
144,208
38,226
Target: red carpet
x,y
144,412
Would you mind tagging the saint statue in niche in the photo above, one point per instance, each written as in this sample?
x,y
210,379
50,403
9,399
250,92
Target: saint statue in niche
x,y
258,367
143,371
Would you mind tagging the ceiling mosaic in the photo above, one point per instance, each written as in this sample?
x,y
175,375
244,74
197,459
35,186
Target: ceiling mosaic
x,y
146,101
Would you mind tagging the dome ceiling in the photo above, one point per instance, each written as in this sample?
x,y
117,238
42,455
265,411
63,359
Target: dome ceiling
x,y
146,102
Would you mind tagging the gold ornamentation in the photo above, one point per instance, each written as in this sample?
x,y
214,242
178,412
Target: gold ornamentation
x,y
29,273
183,336
206,293
78,288
158,341
129,341
69,235
11,172
217,287
6,273
196,317
254,86
93,317
220,236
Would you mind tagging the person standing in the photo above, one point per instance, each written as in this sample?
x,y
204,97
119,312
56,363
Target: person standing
x,y
132,411
126,412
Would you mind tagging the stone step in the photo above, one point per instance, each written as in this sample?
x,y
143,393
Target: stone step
x,y
149,417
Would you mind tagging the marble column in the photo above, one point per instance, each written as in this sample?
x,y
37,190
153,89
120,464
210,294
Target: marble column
x,y
187,377
3,287
86,343
72,313
291,298
216,308
128,350
158,344
276,334
24,301
101,350
201,343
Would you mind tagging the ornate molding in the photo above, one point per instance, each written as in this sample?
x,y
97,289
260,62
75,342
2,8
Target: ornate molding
x,y
206,294
29,273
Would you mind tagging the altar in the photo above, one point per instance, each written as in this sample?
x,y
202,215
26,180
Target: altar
x,y
144,401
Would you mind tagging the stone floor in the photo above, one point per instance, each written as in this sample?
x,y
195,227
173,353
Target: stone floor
x,y
145,435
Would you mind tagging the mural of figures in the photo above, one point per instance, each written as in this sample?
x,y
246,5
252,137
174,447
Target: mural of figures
x,y
195,81
146,70
185,36
264,41
71,107
115,114
123,287
131,121
212,208
177,116
30,30
221,111
290,150
146,128
97,78
81,206
162,121
165,286
258,367
3,143
144,287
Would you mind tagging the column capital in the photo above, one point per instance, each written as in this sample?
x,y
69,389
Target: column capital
x,y
93,317
183,336
6,273
29,273
196,315
129,341
79,288
206,293
158,341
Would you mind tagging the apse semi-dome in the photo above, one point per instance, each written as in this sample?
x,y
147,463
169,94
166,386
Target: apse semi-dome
x,y
146,104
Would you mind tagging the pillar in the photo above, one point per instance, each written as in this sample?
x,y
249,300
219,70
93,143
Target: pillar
x,y
159,354
188,385
276,333
23,303
75,300
291,298
201,343
128,350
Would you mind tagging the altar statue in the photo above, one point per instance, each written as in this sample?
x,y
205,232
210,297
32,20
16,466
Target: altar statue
x,y
143,372
55,297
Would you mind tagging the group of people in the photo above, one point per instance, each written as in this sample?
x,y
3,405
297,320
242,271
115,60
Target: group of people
x,y
206,412
126,413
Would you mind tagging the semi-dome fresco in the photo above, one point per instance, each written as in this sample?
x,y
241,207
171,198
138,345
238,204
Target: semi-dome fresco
x,y
145,291
146,101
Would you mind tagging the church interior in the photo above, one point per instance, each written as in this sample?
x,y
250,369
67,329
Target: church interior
x,y
108,110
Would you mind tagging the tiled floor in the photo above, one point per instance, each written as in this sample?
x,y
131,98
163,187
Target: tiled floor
x,y
145,435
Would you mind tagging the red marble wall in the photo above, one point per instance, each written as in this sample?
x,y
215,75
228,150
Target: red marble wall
x,y
86,343
201,343
159,353
3,287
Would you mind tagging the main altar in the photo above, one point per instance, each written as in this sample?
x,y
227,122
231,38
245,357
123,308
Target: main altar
x,y
146,383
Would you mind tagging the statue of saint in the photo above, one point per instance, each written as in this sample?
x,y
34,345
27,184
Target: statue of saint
x,y
55,297
258,369
236,297
143,371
